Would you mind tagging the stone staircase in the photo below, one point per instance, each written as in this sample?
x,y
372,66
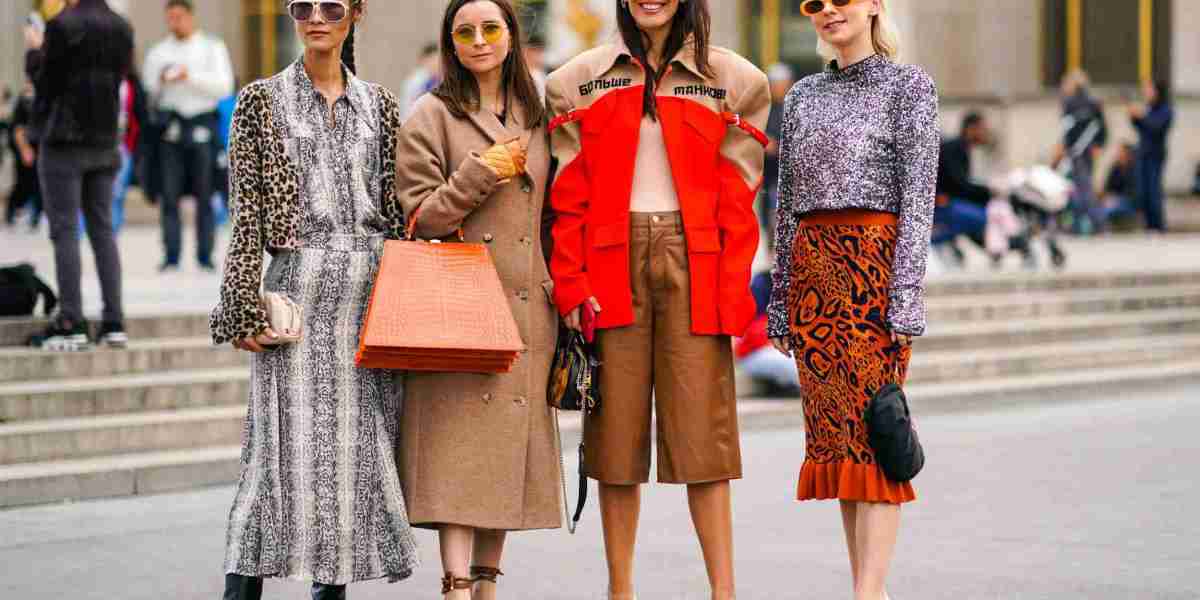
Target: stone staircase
x,y
167,413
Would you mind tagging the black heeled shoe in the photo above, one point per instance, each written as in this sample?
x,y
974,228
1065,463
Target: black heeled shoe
x,y
321,591
241,587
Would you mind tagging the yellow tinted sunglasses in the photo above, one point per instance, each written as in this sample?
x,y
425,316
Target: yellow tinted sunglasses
x,y
491,31
812,7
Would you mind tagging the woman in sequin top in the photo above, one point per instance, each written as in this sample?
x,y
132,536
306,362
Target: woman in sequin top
x,y
858,164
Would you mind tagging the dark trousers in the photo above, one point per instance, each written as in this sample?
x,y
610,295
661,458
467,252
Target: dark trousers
x,y
959,217
240,587
26,191
187,169
1150,191
75,179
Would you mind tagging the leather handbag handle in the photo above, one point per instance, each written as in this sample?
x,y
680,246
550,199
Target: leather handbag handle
x,y
410,232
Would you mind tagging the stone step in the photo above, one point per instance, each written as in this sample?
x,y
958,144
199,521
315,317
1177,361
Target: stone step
x,y
956,323
15,332
161,471
124,475
1031,332
144,356
1010,283
1028,361
86,437
168,390
946,309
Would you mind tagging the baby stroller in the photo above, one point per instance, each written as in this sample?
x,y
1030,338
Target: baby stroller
x,y
1039,196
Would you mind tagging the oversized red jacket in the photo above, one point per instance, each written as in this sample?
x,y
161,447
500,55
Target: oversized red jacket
x,y
713,132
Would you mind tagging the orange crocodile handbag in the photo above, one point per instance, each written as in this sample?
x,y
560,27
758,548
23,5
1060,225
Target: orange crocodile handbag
x,y
438,307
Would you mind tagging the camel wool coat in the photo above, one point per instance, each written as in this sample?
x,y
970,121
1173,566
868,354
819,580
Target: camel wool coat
x,y
482,450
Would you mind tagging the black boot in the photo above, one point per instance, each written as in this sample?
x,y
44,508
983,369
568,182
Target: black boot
x,y
241,587
321,591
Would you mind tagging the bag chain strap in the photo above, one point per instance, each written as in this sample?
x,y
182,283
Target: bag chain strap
x,y
562,475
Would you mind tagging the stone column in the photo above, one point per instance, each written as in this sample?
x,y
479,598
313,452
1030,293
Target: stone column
x,y
1186,47
12,49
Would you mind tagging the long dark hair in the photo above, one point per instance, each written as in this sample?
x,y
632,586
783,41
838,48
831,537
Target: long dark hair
x,y
693,20
460,91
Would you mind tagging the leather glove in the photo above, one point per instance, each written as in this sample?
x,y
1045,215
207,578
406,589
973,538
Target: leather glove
x,y
506,160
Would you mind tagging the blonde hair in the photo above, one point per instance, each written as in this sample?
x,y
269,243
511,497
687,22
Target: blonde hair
x,y
885,37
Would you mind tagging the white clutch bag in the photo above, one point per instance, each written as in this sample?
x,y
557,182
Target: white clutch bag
x,y
286,319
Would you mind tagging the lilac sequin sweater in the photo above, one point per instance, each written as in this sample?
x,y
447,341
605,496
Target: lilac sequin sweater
x,y
861,137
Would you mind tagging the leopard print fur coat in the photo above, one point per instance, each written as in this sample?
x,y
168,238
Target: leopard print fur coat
x,y
265,198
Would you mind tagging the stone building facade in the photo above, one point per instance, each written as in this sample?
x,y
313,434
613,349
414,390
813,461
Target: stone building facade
x,y
1002,57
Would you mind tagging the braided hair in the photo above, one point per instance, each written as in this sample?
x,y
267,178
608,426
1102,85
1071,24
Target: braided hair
x,y
348,52
348,57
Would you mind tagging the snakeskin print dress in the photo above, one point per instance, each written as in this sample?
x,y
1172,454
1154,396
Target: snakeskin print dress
x,y
319,496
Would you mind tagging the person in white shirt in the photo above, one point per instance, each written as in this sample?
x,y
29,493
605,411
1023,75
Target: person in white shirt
x,y
186,75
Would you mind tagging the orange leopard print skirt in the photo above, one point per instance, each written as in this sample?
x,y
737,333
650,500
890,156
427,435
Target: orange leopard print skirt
x,y
842,266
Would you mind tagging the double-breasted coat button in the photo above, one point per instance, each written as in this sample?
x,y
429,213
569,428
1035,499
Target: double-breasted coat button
x,y
523,294
527,240
520,401
487,238
525,187
487,398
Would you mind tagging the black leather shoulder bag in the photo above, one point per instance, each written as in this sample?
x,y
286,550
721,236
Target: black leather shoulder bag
x,y
890,430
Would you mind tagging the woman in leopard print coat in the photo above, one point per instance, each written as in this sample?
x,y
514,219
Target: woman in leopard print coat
x,y
312,166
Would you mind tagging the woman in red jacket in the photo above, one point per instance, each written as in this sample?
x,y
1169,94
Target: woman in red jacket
x,y
657,244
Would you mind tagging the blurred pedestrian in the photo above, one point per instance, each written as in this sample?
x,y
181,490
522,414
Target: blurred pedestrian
x,y
782,79
1084,135
319,495
132,117
535,57
859,160
77,74
220,200
961,199
756,357
425,77
1152,119
187,74
26,190
1120,187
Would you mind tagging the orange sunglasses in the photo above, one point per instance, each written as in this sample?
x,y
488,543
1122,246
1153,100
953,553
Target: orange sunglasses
x,y
813,7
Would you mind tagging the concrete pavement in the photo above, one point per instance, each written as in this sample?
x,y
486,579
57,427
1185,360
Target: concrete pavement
x,y
1089,497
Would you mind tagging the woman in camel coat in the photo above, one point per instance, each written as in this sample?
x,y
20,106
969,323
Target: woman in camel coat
x,y
479,454
496,428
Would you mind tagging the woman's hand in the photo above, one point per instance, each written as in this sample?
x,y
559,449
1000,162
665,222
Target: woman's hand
x,y
34,38
251,344
574,319
506,160
783,345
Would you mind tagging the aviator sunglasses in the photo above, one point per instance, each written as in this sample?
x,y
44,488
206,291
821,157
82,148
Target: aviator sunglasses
x,y
332,11
493,32
813,7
